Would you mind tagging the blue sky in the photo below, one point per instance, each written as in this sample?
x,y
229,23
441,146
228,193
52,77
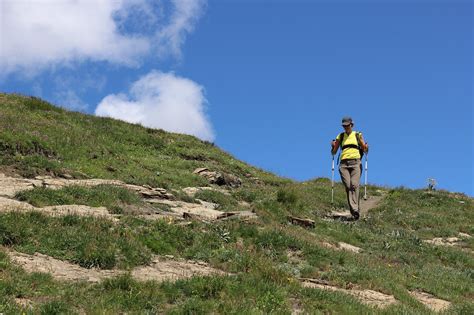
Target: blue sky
x,y
267,81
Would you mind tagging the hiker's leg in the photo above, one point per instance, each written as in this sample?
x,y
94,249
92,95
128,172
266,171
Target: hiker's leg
x,y
354,186
346,179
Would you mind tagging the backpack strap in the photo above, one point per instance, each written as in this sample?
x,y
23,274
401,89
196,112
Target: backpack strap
x,y
358,138
341,137
361,151
343,147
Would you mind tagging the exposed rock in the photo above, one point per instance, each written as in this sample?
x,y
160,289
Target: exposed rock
x,y
218,178
458,242
205,212
207,204
433,303
10,205
199,170
237,214
302,222
232,181
349,247
342,246
340,215
369,297
440,241
192,191
9,186
24,303
150,192
57,268
213,177
160,269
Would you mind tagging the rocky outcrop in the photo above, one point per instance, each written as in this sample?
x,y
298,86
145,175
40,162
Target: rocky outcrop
x,y
219,178
9,186
369,297
160,269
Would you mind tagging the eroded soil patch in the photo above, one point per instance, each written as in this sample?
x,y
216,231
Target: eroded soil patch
x,y
433,303
10,205
342,246
9,186
369,297
160,269
451,241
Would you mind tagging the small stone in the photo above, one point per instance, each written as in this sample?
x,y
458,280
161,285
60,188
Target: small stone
x,y
199,170
349,247
111,169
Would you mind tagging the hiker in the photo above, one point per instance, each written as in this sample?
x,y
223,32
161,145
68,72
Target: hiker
x,y
350,166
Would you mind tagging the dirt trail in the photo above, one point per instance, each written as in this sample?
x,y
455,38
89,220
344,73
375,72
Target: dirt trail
x,y
160,269
345,216
370,203
369,297
365,206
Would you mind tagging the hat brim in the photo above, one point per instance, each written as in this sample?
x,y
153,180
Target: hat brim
x,y
346,124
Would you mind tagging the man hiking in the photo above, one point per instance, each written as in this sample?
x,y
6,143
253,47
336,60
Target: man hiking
x,y
353,147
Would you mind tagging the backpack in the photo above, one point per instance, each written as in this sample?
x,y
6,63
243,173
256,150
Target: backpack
x,y
358,146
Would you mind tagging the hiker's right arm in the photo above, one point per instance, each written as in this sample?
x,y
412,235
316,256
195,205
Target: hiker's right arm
x,y
334,146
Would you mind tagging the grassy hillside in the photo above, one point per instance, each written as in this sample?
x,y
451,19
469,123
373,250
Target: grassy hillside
x,y
266,258
38,138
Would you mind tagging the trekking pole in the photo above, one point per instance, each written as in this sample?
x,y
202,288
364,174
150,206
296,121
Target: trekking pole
x,y
332,181
365,185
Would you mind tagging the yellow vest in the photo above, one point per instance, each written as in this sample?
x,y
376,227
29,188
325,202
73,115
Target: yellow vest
x,y
349,153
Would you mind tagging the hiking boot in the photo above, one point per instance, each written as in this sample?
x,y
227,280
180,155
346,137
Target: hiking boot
x,y
355,215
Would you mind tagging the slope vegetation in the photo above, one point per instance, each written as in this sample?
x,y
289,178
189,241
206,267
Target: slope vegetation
x,y
101,216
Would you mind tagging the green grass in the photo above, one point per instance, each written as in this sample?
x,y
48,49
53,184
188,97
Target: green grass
x,y
265,257
87,241
225,202
83,145
114,198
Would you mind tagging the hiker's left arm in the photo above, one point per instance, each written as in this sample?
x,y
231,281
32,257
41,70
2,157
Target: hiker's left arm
x,y
365,146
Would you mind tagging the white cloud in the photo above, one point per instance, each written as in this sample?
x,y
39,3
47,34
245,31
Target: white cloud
x,y
162,100
182,21
36,34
